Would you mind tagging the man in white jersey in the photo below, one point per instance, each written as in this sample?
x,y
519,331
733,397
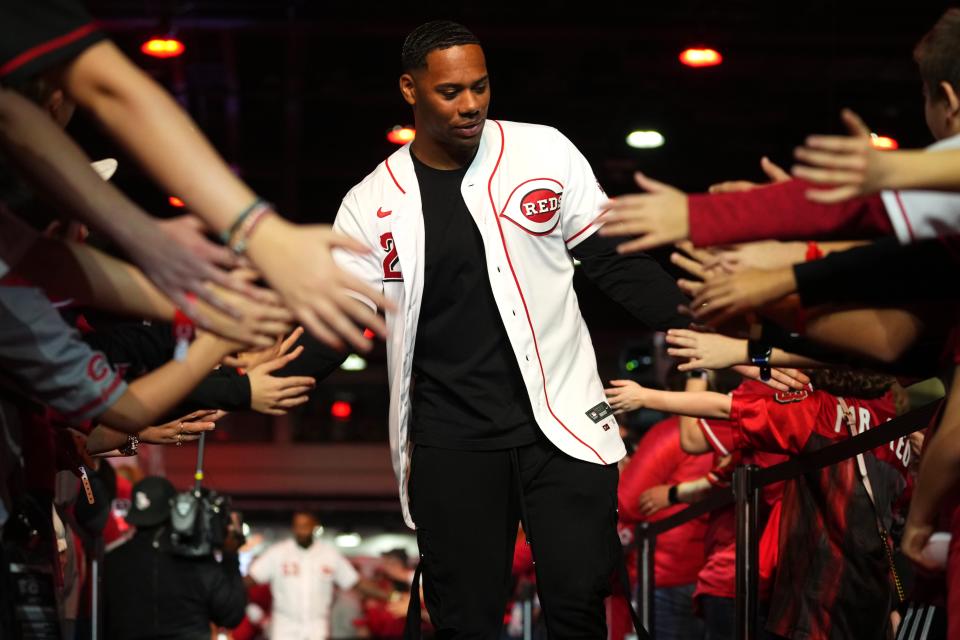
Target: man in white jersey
x,y
303,573
497,413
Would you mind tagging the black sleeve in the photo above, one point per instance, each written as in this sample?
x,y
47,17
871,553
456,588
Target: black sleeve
x,y
37,36
884,272
227,595
223,389
317,360
135,348
634,280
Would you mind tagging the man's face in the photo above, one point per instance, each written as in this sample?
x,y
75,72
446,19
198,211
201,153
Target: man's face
x,y
303,526
450,96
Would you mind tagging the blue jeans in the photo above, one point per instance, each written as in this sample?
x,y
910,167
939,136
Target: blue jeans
x,y
673,617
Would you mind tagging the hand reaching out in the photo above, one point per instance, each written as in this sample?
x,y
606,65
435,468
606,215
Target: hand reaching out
x,y
730,295
185,429
654,499
849,164
655,218
298,263
625,395
274,395
248,360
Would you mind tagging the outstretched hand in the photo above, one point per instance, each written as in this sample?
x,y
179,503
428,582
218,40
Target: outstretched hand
x,y
654,218
729,295
185,429
851,165
274,395
297,261
624,395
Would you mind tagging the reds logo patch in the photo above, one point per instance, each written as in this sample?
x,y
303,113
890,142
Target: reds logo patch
x,y
786,397
534,205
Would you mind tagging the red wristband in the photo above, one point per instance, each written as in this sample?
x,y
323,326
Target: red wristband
x,y
183,330
813,251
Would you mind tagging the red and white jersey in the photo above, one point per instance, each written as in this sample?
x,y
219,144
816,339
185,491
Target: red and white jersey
x,y
533,196
301,587
922,215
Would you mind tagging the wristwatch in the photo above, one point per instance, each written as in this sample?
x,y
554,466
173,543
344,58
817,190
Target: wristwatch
x,y
698,374
130,449
672,497
759,354
759,351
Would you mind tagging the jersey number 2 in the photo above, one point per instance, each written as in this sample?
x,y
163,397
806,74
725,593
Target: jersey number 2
x,y
391,263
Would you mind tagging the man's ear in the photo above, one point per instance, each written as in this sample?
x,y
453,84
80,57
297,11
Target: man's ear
x,y
950,96
408,89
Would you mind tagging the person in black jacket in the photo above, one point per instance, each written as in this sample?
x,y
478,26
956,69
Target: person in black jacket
x,y
150,593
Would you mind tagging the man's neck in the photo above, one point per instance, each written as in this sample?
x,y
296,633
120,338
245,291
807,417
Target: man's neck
x,y
437,157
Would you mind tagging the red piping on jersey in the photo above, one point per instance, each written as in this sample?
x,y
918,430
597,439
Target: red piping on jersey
x,y
503,239
46,47
712,437
560,184
533,233
903,212
387,163
592,222
96,401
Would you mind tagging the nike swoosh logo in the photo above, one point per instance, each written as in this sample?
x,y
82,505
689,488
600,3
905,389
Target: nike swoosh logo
x,y
381,213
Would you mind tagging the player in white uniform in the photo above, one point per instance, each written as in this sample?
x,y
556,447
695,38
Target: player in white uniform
x,y
473,229
303,573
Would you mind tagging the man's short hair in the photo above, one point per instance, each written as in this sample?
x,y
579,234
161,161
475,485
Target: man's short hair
x,y
431,36
305,512
938,54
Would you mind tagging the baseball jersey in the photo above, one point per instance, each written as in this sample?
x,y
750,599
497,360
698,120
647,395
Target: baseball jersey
x,y
833,578
533,197
921,215
302,585
717,577
16,238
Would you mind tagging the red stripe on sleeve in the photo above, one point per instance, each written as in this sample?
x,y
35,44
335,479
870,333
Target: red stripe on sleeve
x,y
46,47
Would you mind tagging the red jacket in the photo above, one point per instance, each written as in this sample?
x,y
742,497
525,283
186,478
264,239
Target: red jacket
x,y
659,460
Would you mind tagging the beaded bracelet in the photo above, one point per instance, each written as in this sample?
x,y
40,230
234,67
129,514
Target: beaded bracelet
x,y
238,242
228,233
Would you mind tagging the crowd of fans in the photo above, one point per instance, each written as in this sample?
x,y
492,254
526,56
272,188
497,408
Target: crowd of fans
x,y
828,289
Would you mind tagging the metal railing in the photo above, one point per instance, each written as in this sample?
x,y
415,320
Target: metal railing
x,y
744,493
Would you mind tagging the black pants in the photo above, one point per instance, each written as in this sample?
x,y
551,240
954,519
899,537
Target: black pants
x,y
467,505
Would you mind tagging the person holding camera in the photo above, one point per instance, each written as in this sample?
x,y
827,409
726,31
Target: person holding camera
x,y
150,592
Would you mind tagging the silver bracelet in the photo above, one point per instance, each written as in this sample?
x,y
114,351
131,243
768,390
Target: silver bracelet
x,y
130,449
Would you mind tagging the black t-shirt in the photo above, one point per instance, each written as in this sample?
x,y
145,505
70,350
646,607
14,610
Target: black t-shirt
x,y
467,392
36,36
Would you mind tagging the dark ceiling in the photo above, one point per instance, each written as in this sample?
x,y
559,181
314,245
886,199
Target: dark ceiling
x,y
298,95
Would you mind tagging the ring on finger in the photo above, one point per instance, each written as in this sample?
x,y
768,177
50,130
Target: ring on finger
x,y
180,429
179,439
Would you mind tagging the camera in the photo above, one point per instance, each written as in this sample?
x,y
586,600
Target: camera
x,y
201,522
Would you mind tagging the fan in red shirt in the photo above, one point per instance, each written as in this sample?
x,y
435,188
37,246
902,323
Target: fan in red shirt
x,y
834,579
660,464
